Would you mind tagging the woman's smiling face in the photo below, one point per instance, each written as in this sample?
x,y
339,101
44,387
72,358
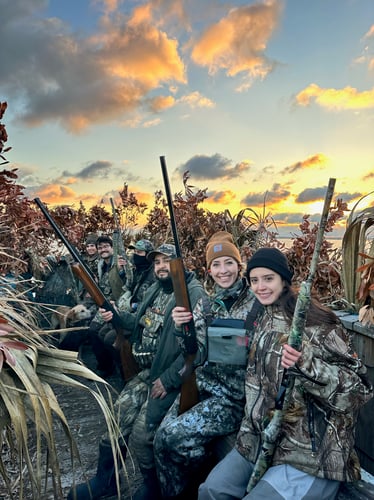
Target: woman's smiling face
x,y
224,271
266,284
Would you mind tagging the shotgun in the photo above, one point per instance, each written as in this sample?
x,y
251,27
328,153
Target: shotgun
x,y
271,433
189,391
83,273
119,248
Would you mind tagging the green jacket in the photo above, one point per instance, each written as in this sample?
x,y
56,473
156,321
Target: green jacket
x,y
169,359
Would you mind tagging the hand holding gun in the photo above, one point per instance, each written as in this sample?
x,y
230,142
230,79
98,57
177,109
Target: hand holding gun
x,y
83,273
290,354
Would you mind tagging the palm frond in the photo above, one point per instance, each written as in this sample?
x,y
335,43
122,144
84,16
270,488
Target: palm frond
x,y
28,403
357,239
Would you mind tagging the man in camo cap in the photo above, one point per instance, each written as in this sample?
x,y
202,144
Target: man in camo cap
x,y
143,277
164,249
141,246
146,398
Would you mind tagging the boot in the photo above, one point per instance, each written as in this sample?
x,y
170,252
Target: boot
x,y
104,355
104,483
150,489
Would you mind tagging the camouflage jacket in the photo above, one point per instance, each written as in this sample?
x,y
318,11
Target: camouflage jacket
x,y
168,358
110,280
130,298
92,263
330,385
224,379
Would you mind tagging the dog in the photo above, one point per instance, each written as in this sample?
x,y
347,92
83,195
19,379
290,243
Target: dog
x,y
65,316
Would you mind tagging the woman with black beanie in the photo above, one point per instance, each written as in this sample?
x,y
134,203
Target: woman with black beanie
x,y
315,447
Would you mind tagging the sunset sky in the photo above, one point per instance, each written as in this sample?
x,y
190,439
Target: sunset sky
x,y
254,98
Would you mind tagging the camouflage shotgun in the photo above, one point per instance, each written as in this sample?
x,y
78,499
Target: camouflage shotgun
x,y
189,392
83,273
119,250
271,433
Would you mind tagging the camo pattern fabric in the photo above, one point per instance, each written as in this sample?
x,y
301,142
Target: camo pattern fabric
x,y
131,401
180,441
152,320
330,385
129,299
91,263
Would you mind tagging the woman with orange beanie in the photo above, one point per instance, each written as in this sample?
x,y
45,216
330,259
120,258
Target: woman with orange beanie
x,y
180,444
315,450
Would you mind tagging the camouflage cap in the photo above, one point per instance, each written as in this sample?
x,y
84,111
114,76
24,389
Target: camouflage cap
x,y
91,239
144,245
164,249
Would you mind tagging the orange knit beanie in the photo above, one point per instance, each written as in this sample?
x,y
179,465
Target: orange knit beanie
x,y
221,244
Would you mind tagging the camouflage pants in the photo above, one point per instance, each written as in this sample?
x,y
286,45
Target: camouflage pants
x,y
131,406
180,441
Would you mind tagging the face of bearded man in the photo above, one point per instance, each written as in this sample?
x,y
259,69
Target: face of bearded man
x,y
161,265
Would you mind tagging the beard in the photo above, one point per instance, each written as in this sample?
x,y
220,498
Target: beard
x,y
166,283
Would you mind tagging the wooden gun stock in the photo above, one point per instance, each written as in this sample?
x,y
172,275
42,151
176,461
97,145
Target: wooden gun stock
x,y
96,294
182,298
189,391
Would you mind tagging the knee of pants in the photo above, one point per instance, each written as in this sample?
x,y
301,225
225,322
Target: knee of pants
x,y
160,441
173,443
204,492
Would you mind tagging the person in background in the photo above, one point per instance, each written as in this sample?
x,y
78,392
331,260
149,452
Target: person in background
x,y
91,255
90,258
180,444
315,450
146,398
112,276
143,276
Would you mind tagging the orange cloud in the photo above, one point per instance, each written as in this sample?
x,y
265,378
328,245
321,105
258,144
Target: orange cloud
x,y
161,102
55,193
368,177
336,99
103,77
196,100
151,123
242,167
370,33
316,160
140,53
109,5
70,180
237,42
220,197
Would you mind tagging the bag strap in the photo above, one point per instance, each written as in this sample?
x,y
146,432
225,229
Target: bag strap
x,y
250,321
207,310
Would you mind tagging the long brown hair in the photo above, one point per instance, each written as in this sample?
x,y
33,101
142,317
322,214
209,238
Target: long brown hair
x,y
317,313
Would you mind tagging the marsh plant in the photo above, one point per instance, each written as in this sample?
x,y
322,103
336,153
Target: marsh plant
x,y
358,260
30,369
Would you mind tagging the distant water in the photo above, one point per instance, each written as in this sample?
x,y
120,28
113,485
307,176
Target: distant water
x,y
336,242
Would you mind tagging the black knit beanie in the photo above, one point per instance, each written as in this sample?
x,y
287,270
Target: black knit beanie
x,y
273,259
